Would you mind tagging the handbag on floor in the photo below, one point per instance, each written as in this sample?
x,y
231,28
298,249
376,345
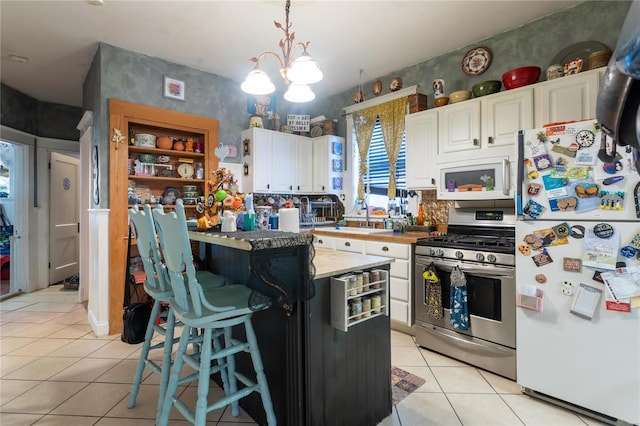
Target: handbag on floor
x,y
136,313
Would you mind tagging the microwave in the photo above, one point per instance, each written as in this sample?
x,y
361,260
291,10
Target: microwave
x,y
485,179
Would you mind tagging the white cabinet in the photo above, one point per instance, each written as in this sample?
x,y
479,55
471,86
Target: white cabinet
x,y
568,98
400,281
257,147
484,127
302,165
282,162
276,162
328,164
421,130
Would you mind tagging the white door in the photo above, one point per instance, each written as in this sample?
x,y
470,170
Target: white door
x,y
64,253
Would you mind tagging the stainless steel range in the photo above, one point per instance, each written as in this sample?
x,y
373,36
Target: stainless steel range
x,y
481,242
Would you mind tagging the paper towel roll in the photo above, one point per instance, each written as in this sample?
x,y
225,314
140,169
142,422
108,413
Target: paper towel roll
x,y
289,220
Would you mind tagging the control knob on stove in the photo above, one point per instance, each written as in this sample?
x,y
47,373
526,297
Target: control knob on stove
x,y
491,258
480,257
436,252
459,254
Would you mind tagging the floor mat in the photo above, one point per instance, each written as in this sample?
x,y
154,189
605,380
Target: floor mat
x,y
403,383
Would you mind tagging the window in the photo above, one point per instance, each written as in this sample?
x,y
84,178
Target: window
x,y
376,180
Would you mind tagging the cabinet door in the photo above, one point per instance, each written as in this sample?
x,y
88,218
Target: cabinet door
x,y
421,150
459,127
281,162
503,115
261,161
566,99
303,165
320,165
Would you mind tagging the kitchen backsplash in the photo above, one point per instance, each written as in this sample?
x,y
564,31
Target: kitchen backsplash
x,y
436,211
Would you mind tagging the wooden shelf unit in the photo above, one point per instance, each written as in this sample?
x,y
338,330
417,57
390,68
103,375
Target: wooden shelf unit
x,y
129,118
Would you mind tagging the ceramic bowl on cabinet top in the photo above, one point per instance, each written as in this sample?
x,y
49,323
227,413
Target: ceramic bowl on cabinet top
x,y
459,96
441,101
190,194
486,88
190,188
144,139
519,77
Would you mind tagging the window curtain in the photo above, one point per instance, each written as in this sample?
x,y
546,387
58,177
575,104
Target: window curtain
x,y
364,121
391,115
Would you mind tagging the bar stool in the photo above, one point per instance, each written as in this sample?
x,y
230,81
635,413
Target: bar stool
x,y
157,286
215,312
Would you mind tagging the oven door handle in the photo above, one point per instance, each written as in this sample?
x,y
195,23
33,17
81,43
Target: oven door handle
x,y
482,272
480,347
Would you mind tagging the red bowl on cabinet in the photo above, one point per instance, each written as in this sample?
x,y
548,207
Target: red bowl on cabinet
x,y
519,77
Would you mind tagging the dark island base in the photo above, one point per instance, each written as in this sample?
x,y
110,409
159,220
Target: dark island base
x,y
317,374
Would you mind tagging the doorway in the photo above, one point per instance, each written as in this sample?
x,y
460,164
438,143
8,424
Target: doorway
x,y
11,199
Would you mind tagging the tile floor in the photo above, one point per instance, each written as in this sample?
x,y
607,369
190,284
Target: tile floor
x,y
54,371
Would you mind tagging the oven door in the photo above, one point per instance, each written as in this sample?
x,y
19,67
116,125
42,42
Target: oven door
x,y
491,298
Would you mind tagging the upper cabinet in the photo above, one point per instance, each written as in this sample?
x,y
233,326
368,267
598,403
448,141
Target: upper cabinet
x,y
480,127
328,164
421,130
568,98
284,163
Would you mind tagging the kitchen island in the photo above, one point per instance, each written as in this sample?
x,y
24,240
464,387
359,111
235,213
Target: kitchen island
x,y
317,374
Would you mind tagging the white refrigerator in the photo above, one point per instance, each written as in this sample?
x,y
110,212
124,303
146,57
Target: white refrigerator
x,y
577,245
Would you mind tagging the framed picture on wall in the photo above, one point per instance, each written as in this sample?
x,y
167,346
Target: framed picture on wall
x,y
264,105
173,89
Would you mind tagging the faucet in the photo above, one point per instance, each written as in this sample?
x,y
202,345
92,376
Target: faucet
x,y
365,207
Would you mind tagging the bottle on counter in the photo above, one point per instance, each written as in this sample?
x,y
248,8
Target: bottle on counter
x,y
388,222
420,220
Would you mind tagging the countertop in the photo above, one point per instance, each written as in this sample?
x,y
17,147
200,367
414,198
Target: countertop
x,y
331,262
410,237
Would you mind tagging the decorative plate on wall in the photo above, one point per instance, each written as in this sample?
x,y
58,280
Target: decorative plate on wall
x,y
476,61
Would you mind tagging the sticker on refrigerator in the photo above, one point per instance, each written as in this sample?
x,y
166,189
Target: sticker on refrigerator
x,y
601,247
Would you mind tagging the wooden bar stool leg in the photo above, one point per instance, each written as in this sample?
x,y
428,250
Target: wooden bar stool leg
x,y
166,359
174,379
144,354
203,378
231,367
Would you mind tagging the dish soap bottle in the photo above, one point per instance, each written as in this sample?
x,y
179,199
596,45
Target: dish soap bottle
x,y
388,223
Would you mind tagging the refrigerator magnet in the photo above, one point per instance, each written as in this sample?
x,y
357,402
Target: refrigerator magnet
x,y
542,259
567,288
533,209
571,264
577,231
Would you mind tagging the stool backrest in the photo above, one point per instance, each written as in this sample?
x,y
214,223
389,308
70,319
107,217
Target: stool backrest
x,y
147,242
176,247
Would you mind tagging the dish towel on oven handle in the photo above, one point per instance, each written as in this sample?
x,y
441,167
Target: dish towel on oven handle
x,y
458,300
432,293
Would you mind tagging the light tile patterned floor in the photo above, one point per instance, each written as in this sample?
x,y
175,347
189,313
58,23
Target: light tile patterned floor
x,y
54,371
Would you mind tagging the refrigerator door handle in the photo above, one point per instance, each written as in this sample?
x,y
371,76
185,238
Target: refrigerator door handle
x,y
520,174
506,176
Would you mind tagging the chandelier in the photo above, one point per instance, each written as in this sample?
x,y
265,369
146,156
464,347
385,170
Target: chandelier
x,y
298,73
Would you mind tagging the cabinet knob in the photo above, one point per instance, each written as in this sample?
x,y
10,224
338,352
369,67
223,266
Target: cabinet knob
x,y
475,142
268,186
298,187
347,244
291,187
323,187
385,248
320,242
490,139
433,181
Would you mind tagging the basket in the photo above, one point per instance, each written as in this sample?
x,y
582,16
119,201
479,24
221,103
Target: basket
x,y
329,127
598,59
417,102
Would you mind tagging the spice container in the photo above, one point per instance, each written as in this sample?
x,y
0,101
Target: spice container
x,y
366,276
351,285
356,308
376,302
359,281
366,307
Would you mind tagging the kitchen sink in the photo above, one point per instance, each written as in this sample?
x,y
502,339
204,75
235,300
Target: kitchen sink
x,y
353,230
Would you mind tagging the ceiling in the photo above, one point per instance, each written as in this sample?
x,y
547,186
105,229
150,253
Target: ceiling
x,y
60,38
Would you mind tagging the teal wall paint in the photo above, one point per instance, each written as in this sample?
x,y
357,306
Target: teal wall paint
x,y
535,43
